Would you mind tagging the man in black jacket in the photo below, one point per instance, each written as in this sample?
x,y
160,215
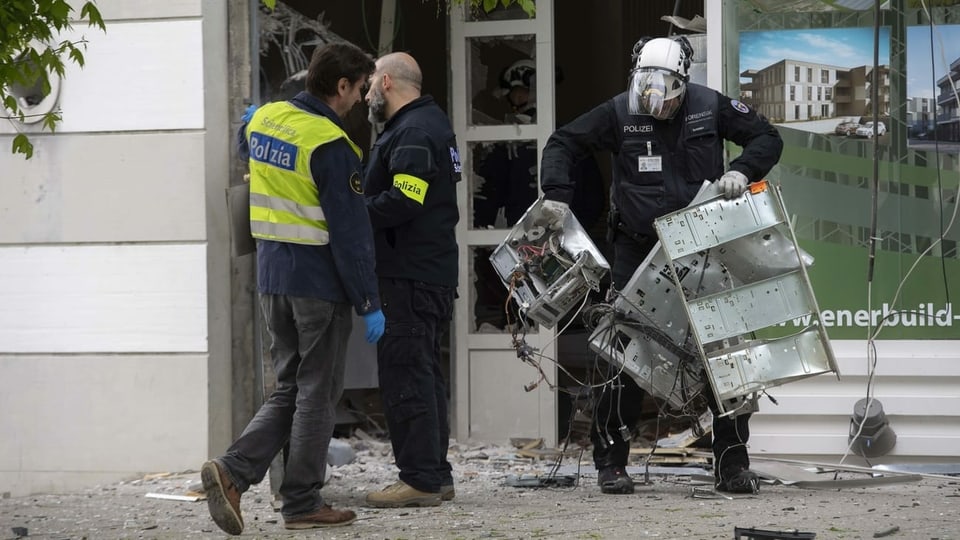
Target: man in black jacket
x,y
666,135
411,189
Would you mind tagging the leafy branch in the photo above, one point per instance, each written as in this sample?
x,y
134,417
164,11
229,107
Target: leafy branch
x,y
528,6
486,6
27,57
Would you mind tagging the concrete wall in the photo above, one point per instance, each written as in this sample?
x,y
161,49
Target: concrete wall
x,y
114,269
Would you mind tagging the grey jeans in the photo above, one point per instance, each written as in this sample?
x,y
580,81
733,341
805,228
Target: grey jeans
x,y
309,345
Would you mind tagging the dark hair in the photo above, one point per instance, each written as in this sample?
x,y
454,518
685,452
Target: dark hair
x,y
334,61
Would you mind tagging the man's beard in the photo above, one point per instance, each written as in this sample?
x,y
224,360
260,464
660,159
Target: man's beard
x,y
377,113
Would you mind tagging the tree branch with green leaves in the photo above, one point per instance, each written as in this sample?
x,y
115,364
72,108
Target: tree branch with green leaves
x,y
486,6
528,6
28,56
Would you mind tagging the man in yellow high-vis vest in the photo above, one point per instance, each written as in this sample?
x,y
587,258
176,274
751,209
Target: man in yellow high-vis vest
x,y
315,259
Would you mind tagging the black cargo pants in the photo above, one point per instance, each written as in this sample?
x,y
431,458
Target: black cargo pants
x,y
623,402
411,382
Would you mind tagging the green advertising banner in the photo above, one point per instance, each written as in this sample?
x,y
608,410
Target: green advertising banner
x,y
922,311
869,119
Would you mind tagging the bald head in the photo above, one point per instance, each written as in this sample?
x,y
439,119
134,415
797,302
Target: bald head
x,y
402,68
395,83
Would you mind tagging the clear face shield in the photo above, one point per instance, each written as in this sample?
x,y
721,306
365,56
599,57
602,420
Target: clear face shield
x,y
656,93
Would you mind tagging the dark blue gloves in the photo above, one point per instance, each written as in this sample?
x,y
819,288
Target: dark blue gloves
x,y
375,322
248,114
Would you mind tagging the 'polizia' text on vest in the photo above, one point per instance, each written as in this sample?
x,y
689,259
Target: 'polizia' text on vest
x,y
284,202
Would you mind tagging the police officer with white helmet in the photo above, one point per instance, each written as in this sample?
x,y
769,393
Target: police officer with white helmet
x,y
666,135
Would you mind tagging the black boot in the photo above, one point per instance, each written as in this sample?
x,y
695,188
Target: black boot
x,y
615,480
740,480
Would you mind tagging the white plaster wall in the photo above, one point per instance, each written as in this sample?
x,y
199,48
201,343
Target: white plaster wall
x,y
77,420
103,298
105,258
104,187
118,10
143,75
499,408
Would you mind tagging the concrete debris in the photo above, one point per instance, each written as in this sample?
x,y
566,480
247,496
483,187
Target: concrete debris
x,y
171,497
943,469
886,532
700,492
340,453
797,476
526,443
670,456
485,505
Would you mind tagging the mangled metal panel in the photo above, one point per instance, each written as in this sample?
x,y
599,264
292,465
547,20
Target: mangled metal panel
x,y
547,271
723,269
648,334
745,235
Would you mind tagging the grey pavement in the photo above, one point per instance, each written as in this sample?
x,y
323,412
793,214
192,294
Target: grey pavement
x,y
486,507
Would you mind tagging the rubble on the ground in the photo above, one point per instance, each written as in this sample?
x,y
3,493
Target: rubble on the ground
x,y
671,503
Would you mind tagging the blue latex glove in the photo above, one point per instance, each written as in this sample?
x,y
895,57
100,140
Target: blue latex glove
x,y
248,114
375,323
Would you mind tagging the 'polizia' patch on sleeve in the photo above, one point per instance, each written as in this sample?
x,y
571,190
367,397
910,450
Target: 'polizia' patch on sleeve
x,y
411,186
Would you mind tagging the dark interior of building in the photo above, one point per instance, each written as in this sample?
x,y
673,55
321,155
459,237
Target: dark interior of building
x,y
592,45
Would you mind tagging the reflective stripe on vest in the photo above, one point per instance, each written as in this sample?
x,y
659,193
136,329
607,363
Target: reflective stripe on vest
x,y
284,202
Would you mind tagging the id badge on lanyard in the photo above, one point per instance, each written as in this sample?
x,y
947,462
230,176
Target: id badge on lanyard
x,y
649,162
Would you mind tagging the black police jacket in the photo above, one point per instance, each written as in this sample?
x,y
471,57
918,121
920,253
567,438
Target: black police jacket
x,y
411,189
658,166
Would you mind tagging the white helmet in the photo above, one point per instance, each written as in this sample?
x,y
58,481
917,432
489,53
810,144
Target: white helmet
x,y
659,77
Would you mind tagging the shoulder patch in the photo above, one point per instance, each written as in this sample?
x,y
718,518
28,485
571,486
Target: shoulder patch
x,y
740,106
355,183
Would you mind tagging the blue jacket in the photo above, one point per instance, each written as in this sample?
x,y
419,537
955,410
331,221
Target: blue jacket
x,y
343,270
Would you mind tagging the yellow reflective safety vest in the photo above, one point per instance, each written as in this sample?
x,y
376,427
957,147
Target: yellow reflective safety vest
x,y
284,202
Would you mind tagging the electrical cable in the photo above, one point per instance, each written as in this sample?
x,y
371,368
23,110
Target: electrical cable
x,y
873,334
943,230
874,196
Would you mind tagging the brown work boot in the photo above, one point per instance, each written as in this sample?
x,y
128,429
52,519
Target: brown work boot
x,y
447,492
325,516
400,495
223,498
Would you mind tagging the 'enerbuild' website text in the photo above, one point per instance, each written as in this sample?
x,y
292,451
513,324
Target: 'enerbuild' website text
x,y
922,315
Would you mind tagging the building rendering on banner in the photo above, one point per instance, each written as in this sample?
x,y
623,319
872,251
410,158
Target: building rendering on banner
x,y
920,115
791,90
948,123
